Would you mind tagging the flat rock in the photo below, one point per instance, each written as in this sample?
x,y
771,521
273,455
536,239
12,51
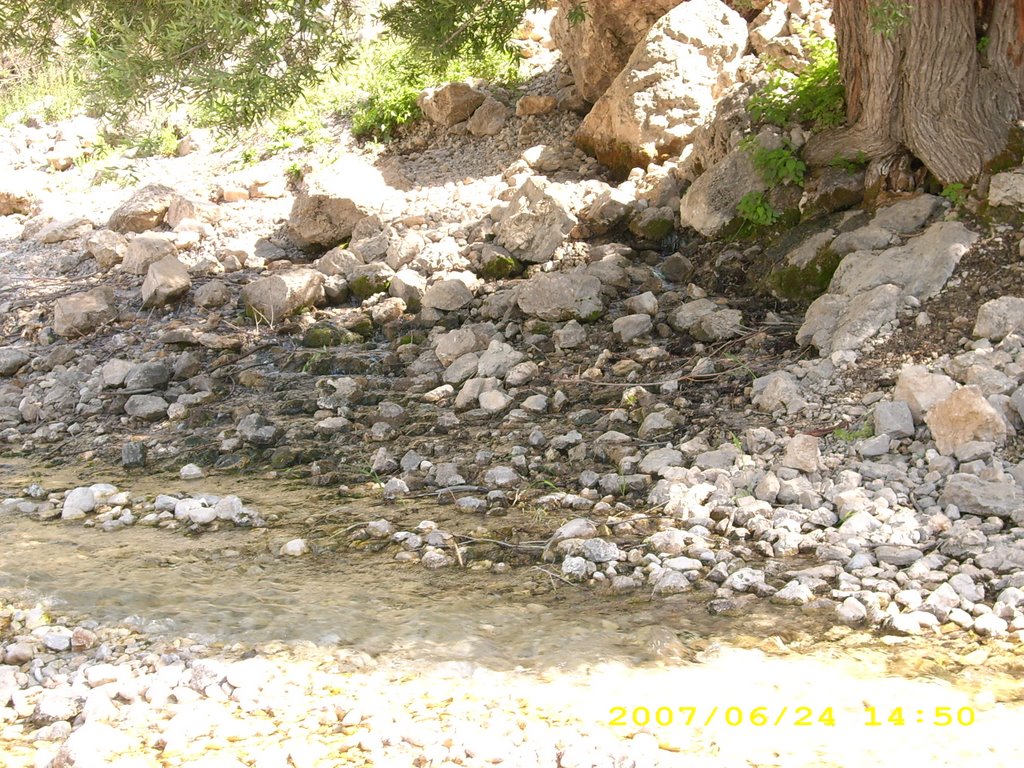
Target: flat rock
x,y
558,296
975,496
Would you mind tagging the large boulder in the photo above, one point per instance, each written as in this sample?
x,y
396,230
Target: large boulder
x,y
333,200
668,88
537,221
82,313
450,103
868,287
558,296
597,47
144,210
709,205
271,299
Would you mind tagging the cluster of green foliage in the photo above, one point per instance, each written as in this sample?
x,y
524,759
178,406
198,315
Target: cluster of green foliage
x,y
814,97
755,208
26,83
241,59
391,77
440,31
865,431
956,193
160,141
776,166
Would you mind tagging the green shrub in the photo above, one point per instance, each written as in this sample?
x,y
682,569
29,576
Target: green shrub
x,y
956,193
162,142
242,59
391,78
755,208
56,85
776,166
815,97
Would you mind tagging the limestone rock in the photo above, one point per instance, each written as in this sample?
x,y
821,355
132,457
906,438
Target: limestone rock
x,y
333,200
12,360
489,118
107,247
558,296
213,294
447,295
450,103
1007,188
533,104
963,416
598,47
81,313
837,322
273,298
146,407
709,205
668,87
144,250
920,389
166,281
66,229
975,496
921,267
999,318
144,210
536,222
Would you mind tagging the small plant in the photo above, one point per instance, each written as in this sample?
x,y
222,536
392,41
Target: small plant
x,y
888,16
983,43
815,96
848,436
956,193
755,209
162,142
295,171
776,166
737,444
577,14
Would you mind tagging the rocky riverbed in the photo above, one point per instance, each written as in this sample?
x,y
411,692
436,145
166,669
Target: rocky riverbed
x,y
477,358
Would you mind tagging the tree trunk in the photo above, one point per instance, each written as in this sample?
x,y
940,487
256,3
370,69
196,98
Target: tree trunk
x,y
946,86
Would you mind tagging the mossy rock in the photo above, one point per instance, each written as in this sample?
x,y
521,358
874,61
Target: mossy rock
x,y
365,286
499,267
320,335
803,285
654,229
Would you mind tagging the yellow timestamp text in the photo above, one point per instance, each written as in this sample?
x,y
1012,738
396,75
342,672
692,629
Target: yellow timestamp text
x,y
760,717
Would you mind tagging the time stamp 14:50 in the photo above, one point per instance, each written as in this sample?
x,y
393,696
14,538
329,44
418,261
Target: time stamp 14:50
x,y
785,716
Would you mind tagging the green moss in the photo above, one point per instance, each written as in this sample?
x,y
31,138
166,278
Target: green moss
x,y
363,326
593,317
651,229
804,284
327,335
499,267
365,286
1011,156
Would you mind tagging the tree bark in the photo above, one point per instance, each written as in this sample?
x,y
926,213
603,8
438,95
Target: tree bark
x,y
946,86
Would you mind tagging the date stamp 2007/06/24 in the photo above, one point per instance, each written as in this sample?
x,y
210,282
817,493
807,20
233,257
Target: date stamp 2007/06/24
x,y
800,716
